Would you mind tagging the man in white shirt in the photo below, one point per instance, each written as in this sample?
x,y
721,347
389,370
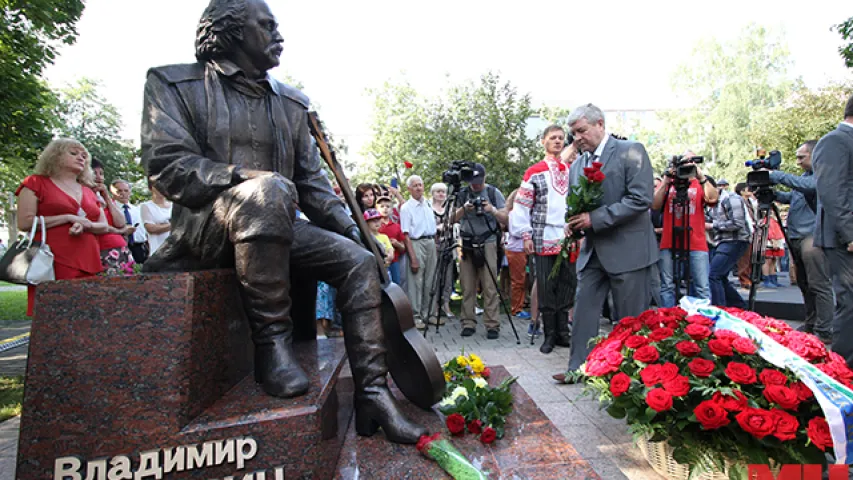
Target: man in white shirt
x,y
137,243
417,221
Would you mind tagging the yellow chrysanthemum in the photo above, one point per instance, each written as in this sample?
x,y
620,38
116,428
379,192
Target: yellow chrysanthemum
x,y
446,376
462,361
474,358
478,366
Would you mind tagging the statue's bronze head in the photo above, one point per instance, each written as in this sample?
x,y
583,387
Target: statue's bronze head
x,y
243,31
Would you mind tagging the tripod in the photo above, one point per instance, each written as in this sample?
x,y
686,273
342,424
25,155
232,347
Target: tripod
x,y
765,198
680,248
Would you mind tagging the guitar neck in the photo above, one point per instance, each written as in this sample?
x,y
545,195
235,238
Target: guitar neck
x,y
357,215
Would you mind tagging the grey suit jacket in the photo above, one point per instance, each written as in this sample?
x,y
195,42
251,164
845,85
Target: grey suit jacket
x,y
832,161
622,234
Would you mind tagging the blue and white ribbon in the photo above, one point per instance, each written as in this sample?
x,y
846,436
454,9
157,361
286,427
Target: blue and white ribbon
x,y
835,399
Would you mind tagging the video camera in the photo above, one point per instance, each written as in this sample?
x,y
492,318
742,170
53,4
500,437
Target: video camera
x,y
460,171
684,167
760,177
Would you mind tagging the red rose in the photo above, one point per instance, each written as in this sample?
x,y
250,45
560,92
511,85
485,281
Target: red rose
x,y
711,415
651,375
475,426
486,373
745,346
660,334
697,331
782,396
597,165
732,403
651,319
687,348
668,371
425,441
757,422
818,432
741,373
489,435
619,384
408,164
803,392
659,399
603,361
597,177
587,172
786,425
456,423
636,341
699,320
771,376
701,367
647,354
720,347
678,386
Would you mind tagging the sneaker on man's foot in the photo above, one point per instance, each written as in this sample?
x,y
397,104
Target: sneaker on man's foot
x,y
467,331
419,324
523,315
806,328
531,333
492,334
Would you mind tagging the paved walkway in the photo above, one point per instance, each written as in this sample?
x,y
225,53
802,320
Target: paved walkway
x,y
603,441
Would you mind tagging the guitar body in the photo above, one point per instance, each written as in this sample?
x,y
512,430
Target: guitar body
x,y
411,359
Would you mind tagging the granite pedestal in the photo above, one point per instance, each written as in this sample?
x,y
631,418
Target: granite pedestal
x,y
532,448
151,374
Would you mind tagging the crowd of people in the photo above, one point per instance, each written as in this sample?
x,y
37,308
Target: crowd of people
x,y
652,240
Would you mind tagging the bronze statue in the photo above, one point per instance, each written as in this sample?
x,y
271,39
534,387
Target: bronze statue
x,y
231,147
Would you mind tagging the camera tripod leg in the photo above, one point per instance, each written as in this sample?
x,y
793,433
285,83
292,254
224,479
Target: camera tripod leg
x,y
759,249
503,301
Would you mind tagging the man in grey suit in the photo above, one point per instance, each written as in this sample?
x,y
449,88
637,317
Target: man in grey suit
x,y
620,244
832,161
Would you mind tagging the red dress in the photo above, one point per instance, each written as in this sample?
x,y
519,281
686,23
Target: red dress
x,y
73,256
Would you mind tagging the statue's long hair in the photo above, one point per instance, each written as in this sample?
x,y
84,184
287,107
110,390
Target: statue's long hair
x,y
220,28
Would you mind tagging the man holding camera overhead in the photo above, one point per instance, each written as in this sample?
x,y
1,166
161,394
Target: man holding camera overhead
x,y
812,269
686,229
480,216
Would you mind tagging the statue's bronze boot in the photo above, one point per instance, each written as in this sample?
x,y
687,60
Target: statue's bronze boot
x,y
375,406
265,290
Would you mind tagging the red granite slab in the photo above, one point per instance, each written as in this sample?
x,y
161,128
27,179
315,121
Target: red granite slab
x,y
151,363
532,448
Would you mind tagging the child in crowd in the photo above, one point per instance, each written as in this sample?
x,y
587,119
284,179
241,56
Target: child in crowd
x,y
374,222
392,231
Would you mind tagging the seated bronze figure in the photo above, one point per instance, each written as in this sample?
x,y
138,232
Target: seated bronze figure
x,y
231,147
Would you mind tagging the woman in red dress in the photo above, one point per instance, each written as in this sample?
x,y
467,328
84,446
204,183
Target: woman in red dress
x,y
70,209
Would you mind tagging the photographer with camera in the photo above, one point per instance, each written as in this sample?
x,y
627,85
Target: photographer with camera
x,y
812,268
479,213
683,195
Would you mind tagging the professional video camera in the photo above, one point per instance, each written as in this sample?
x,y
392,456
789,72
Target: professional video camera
x,y
684,168
759,178
460,171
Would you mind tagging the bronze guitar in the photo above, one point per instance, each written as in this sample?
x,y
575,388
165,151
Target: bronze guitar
x,y
411,359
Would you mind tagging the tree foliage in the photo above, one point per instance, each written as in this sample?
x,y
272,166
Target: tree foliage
x,y
805,115
83,113
845,29
31,31
732,86
481,121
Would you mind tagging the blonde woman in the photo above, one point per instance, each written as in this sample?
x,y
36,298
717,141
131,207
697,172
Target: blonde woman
x,y
58,191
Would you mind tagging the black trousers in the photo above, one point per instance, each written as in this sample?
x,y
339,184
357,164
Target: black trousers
x,y
139,252
557,295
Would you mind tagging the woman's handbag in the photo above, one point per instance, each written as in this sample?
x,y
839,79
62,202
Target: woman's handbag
x,y
28,262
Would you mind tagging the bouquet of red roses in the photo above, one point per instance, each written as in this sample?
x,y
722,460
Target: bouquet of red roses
x,y
709,393
584,198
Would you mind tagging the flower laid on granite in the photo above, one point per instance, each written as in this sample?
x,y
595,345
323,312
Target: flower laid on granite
x,y
584,198
478,407
464,366
448,458
714,394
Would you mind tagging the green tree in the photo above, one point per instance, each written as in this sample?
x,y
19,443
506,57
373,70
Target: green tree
x,y
83,113
732,86
482,121
805,115
31,31
845,29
